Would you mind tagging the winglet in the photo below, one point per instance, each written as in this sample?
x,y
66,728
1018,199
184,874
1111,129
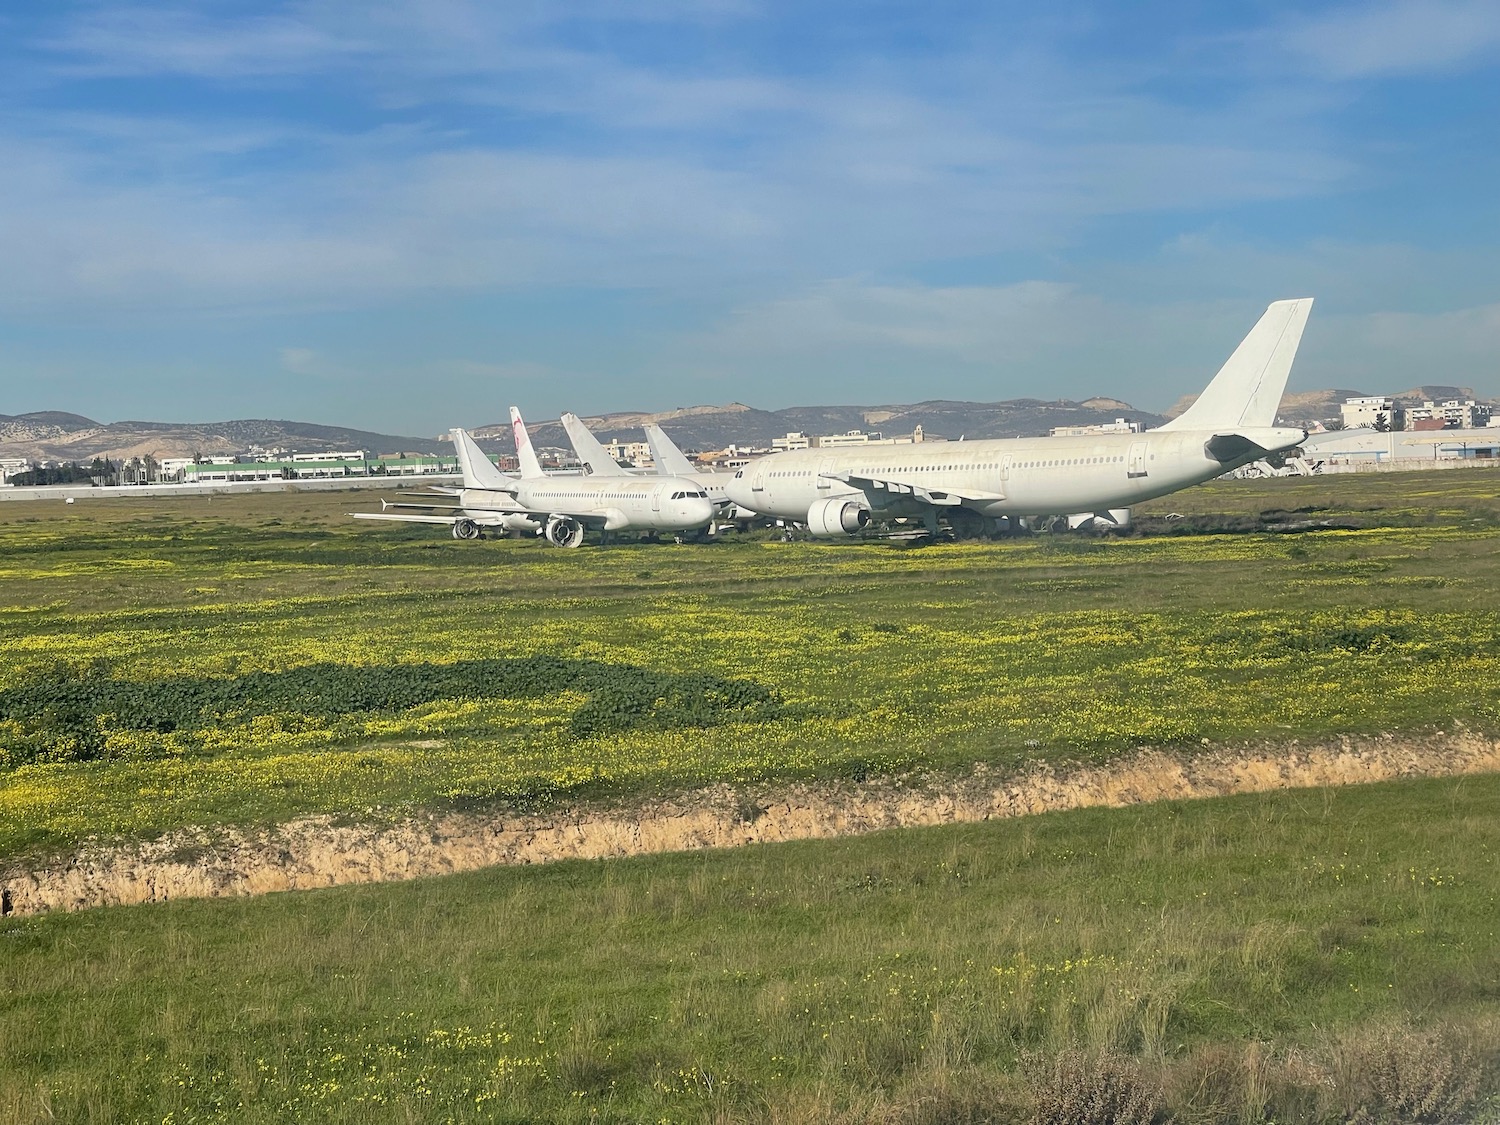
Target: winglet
x,y
1248,388
670,461
531,468
596,459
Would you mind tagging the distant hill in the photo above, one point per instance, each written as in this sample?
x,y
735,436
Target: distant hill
x,y
1435,392
57,436
714,427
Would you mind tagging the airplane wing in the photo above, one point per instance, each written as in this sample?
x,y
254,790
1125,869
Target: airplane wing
x,y
481,519
881,487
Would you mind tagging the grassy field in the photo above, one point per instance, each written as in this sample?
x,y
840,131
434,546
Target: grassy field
x,y
1296,957
250,659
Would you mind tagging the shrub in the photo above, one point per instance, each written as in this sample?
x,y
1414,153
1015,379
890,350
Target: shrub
x,y
1076,1087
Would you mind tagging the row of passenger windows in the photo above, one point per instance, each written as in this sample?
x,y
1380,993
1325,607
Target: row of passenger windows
x,y
612,495
900,469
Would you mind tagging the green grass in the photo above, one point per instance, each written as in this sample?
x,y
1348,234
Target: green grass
x,y
878,658
1247,950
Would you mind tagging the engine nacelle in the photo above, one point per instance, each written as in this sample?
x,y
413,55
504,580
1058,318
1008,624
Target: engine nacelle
x,y
1115,519
519,521
564,531
838,515
465,528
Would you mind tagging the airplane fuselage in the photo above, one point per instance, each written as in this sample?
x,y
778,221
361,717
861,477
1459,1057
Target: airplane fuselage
x,y
627,503
995,477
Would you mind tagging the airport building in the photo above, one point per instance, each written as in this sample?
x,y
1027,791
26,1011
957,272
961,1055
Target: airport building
x,y
1366,449
798,440
318,467
1118,426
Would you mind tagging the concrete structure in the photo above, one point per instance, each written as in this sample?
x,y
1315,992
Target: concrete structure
x,y
637,453
345,455
1347,450
10,466
312,467
1118,426
795,440
1360,413
1459,414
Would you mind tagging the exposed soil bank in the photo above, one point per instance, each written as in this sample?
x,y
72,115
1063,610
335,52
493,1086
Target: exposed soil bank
x,y
315,852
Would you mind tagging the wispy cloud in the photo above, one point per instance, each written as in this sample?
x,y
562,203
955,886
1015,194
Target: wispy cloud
x,y
767,181
1396,37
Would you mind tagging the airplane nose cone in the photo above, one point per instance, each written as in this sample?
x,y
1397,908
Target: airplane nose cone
x,y
738,490
698,510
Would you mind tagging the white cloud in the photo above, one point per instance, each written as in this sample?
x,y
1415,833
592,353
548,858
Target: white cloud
x,y
1397,37
154,41
299,361
1042,339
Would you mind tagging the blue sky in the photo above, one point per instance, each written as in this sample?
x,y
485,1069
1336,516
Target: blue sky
x,y
408,214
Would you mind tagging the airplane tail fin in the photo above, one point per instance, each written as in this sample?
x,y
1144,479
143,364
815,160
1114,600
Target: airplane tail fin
x,y
670,461
1248,388
596,459
531,468
479,471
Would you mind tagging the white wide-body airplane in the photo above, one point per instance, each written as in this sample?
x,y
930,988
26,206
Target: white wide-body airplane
x,y
565,508
837,492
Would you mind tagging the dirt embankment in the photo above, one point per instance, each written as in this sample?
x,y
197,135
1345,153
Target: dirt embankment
x,y
316,852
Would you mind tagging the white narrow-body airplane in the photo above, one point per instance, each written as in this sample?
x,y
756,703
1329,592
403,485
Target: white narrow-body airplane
x,y
564,507
486,500
668,459
837,492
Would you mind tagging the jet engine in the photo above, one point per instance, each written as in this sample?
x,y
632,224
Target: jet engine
x,y
1115,519
838,515
564,531
519,521
465,528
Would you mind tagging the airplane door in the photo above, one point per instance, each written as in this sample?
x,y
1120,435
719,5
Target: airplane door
x,y
656,497
824,466
758,481
1005,467
1135,463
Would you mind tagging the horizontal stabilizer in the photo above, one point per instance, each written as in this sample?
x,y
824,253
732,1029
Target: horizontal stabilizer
x,y
1232,447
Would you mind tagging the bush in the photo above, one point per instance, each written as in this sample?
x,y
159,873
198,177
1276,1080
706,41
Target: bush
x,y
1080,1088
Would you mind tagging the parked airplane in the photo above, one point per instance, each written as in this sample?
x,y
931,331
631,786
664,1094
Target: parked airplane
x,y
669,460
567,507
486,500
595,458
839,491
